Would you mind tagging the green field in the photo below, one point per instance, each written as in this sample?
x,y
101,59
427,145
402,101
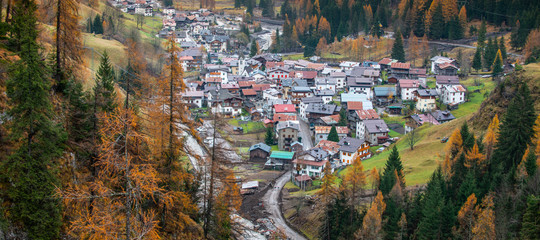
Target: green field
x,y
250,127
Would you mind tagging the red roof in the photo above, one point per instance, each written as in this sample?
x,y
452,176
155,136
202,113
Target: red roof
x,y
400,65
245,83
213,79
303,178
355,105
446,65
284,117
309,74
270,65
409,83
367,114
284,108
385,61
310,163
261,87
328,146
326,129
249,92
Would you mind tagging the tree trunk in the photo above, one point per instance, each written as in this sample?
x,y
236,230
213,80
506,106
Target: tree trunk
x,y
58,67
8,10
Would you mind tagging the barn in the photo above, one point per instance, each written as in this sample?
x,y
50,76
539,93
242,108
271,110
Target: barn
x,y
259,152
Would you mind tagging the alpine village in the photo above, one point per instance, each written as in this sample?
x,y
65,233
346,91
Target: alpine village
x,y
270,119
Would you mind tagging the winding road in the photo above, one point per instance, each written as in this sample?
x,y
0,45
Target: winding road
x,y
272,202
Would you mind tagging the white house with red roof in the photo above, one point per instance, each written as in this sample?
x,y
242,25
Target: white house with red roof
x,y
453,94
321,132
362,116
407,87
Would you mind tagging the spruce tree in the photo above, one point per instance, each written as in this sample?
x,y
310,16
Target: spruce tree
x,y
393,166
253,51
104,93
343,117
269,137
497,67
98,25
477,60
482,35
531,219
489,54
31,167
514,135
502,47
437,28
333,135
397,49
530,163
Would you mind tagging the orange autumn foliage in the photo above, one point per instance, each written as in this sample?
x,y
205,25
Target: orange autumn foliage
x,y
355,179
372,223
484,227
466,217
490,139
474,158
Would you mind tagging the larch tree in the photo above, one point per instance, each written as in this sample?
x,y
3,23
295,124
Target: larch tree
x,y
490,139
484,227
69,48
466,218
475,159
372,224
414,47
450,9
30,167
328,189
355,179
463,16
321,46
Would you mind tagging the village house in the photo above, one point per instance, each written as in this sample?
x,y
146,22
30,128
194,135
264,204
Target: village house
x,y
279,159
249,94
362,116
304,104
298,92
325,84
193,98
331,147
426,99
227,104
272,93
442,81
355,97
233,88
407,87
287,133
418,74
326,95
259,152
360,85
321,132
400,70
453,95
311,162
317,110
352,148
278,73
376,131
288,109
444,66
442,116
196,54
339,77
347,66
384,95
416,120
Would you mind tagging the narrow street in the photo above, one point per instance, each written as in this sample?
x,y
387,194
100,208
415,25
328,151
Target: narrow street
x,y
272,204
305,133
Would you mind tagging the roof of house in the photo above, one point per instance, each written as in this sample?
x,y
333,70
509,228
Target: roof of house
x,y
443,115
349,144
316,66
371,73
261,87
367,114
417,71
385,61
356,97
270,65
300,89
376,126
409,83
427,92
348,64
456,88
359,82
281,69
193,94
229,86
330,120
444,79
303,178
324,92
337,74
424,118
261,146
325,81
447,65
249,92
400,65
284,117
384,91
329,146
353,105
308,100
309,74
213,80
326,129
282,155
318,108
245,83
284,108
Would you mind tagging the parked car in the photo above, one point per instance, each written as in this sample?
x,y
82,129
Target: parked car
x,y
444,139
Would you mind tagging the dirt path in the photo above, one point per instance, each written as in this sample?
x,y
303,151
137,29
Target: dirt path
x,y
272,205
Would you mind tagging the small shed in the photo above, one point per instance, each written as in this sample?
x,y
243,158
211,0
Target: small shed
x,y
249,187
303,181
278,159
297,146
395,109
259,152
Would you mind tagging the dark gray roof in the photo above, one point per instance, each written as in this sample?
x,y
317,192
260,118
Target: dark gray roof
x,y
359,82
443,116
309,100
322,108
287,124
376,126
261,146
427,92
326,92
191,52
358,71
318,153
443,79
349,144
384,91
299,82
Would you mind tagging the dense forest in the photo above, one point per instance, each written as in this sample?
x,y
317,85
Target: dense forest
x,y
486,187
307,21
106,163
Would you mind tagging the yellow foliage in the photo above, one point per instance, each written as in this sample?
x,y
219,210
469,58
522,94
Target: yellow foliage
x,y
484,228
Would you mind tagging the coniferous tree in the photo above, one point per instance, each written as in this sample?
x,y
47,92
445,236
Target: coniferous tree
x,y
497,67
32,166
489,54
392,168
98,25
482,34
69,49
514,135
104,93
397,49
477,60
502,47
343,117
269,137
530,163
437,29
531,219
253,51
333,135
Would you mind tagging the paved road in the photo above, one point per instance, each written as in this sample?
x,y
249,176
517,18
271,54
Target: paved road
x,y
271,203
305,133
